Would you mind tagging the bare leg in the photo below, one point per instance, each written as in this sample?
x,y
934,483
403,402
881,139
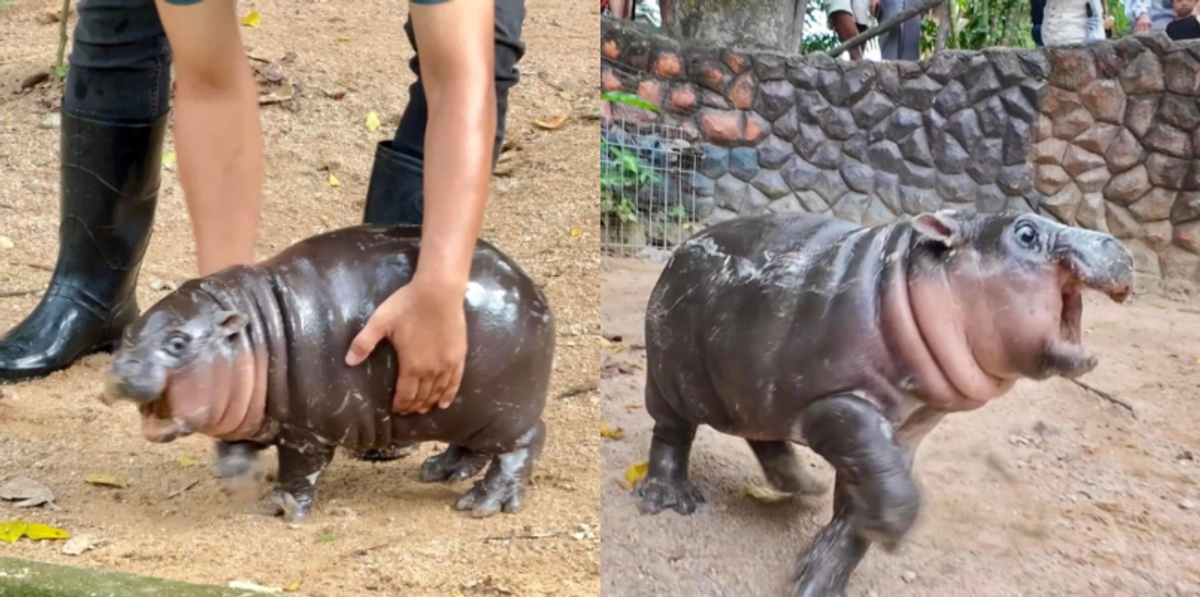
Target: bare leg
x,y
846,28
217,131
503,487
783,471
666,484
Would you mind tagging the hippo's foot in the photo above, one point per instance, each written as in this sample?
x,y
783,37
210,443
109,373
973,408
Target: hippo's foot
x,y
655,495
388,454
824,568
503,487
453,465
237,466
782,468
282,503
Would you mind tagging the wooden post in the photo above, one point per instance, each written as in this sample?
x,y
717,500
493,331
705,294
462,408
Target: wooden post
x,y
943,26
887,25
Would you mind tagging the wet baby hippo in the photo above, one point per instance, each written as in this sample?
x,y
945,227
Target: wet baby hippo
x,y
852,341
254,356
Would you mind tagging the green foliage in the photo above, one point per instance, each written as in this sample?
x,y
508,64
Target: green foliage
x,y
623,97
817,42
620,175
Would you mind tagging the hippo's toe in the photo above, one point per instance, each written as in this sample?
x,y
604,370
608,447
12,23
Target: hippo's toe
x,y
656,494
454,465
282,503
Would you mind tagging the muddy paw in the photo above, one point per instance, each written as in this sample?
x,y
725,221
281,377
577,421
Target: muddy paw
x,y
282,503
656,495
487,498
453,465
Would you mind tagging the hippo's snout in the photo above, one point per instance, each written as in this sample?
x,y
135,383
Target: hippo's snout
x,y
1098,260
133,379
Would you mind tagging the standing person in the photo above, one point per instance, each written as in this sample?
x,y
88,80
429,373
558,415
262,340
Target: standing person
x,y
849,18
1037,12
1068,22
1149,16
904,41
1187,22
434,172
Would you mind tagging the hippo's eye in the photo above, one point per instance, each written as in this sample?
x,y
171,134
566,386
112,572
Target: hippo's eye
x,y
177,343
1027,235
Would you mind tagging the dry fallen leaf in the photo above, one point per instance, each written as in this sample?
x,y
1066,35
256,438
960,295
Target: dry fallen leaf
x,y
343,38
611,432
373,123
632,406
106,480
186,462
38,532
26,492
552,123
77,545
765,494
252,19
333,181
635,473
5,242
575,232
12,530
292,588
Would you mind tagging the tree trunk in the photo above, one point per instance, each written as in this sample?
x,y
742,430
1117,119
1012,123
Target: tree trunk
x,y
943,33
797,45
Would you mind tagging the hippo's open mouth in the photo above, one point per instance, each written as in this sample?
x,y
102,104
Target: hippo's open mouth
x,y
1070,321
159,424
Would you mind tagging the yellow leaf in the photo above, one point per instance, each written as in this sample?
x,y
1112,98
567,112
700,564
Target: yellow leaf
x,y
575,232
292,588
186,462
765,494
635,473
106,480
458,592
333,181
1198,360
168,158
567,95
12,530
609,431
373,123
632,406
38,532
343,38
6,243
604,343
252,19
552,123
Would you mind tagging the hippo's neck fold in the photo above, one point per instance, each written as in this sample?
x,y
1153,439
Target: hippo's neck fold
x,y
925,327
261,358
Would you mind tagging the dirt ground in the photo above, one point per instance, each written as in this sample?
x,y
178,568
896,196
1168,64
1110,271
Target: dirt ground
x,y
1049,491
375,529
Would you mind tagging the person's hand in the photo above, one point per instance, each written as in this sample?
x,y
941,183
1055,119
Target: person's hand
x,y
1108,22
1143,25
426,323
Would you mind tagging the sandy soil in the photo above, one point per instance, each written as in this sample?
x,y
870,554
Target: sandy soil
x,y
55,431
1049,491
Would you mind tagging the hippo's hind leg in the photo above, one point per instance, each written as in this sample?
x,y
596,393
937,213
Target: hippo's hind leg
x,y
874,498
301,460
503,486
782,468
666,484
455,464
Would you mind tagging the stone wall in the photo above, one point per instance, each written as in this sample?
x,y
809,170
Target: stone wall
x,y
1104,136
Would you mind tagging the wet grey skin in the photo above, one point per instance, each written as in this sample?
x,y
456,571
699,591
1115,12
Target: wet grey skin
x,y
296,315
802,329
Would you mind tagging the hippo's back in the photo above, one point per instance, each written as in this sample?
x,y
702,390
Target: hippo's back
x,y
328,286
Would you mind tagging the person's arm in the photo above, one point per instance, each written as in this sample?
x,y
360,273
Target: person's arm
x,y
218,134
425,320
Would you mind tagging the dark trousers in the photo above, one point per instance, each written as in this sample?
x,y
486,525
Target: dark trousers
x,y
119,71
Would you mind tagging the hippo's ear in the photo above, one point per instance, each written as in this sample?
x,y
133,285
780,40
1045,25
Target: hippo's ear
x,y
230,323
937,227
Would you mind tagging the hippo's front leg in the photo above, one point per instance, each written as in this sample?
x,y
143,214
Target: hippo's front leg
x,y
237,466
875,497
302,457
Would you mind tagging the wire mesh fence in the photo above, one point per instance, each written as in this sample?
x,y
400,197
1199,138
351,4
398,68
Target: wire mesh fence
x,y
648,190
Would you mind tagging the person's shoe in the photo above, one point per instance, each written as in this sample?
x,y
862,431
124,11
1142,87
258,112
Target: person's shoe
x,y
109,189
395,194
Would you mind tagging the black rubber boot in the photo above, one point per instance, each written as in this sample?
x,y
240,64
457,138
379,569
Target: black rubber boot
x,y
395,194
109,189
